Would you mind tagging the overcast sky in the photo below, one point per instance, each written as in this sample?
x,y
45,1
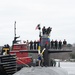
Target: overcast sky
x,y
58,14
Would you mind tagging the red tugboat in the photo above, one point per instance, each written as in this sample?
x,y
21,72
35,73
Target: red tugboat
x,y
22,57
18,53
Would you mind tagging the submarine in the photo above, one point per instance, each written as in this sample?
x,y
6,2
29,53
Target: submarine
x,y
44,49
21,52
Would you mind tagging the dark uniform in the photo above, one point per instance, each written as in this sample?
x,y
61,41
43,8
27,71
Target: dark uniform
x,y
52,43
43,30
48,30
64,42
31,45
35,44
60,44
56,44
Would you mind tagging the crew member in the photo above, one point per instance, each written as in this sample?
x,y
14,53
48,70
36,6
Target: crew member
x,y
56,44
48,30
35,44
31,45
43,30
52,44
64,44
27,44
39,59
60,44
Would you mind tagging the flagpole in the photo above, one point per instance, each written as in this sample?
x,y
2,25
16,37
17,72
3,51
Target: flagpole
x,y
40,39
39,47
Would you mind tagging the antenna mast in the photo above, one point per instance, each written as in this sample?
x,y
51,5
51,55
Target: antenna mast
x,y
15,37
15,29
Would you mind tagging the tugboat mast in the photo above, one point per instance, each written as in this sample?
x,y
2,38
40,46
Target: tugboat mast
x,y
15,37
15,29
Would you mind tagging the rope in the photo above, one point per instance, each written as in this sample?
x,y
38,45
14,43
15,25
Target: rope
x,y
23,63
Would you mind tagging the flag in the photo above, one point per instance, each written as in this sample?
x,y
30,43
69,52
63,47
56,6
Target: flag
x,y
38,27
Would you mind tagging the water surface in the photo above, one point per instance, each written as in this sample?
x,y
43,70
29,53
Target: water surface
x,y
69,66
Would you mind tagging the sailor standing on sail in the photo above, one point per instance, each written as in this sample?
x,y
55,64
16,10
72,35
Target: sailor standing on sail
x,y
40,58
40,55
